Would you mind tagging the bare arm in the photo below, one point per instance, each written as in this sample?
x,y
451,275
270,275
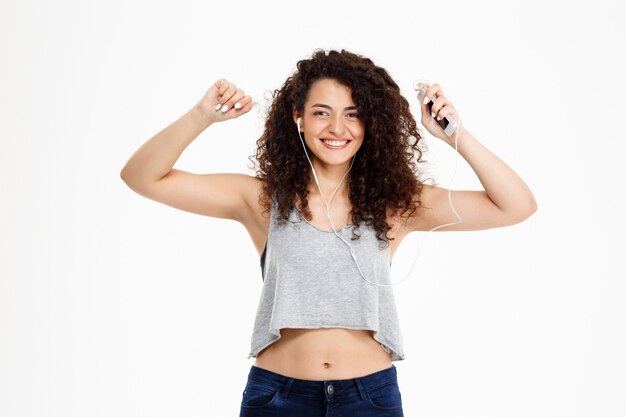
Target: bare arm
x,y
149,171
155,158
505,200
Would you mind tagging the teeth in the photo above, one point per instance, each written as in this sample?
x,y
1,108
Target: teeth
x,y
335,142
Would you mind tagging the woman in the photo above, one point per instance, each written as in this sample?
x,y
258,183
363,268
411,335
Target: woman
x,y
323,337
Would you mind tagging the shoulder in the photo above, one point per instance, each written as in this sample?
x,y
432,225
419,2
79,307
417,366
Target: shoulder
x,y
252,193
404,222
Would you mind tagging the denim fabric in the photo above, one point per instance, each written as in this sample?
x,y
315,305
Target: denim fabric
x,y
269,394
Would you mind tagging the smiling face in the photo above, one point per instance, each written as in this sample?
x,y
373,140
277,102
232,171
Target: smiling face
x,y
331,126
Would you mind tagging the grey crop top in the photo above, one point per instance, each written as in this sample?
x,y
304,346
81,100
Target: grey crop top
x,y
311,281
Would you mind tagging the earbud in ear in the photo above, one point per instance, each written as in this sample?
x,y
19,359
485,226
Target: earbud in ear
x,y
298,123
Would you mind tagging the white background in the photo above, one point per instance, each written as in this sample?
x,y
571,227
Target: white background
x,y
112,304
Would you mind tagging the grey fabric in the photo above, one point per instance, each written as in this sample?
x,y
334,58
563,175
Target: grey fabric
x,y
311,281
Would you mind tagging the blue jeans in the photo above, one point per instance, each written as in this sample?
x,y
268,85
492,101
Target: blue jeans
x,y
269,394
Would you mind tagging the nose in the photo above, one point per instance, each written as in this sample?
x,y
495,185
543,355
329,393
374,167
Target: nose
x,y
336,125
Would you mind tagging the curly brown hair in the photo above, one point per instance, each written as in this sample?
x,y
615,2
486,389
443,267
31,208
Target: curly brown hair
x,y
383,176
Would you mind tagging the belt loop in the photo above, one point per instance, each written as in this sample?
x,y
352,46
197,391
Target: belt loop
x,y
287,388
360,388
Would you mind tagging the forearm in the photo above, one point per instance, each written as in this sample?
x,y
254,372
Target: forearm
x,y
504,187
155,158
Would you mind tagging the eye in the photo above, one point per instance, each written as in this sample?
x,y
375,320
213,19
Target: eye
x,y
351,115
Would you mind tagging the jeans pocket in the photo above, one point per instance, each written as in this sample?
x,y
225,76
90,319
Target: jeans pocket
x,y
258,395
385,396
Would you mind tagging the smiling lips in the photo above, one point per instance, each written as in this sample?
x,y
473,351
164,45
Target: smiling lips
x,y
335,143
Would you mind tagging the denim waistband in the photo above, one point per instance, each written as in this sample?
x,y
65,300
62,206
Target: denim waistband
x,y
335,388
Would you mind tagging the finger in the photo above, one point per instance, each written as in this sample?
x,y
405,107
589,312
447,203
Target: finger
x,y
240,104
227,93
428,97
420,87
221,85
247,107
422,99
435,90
445,111
432,93
230,103
438,104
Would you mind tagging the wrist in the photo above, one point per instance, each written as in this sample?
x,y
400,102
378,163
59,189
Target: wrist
x,y
460,135
200,117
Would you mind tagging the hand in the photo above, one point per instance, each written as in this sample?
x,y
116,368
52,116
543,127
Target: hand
x,y
441,108
224,95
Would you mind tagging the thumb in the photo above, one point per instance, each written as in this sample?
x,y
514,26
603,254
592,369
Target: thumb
x,y
426,107
421,95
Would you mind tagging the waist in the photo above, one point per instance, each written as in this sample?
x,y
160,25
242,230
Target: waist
x,y
324,354
319,390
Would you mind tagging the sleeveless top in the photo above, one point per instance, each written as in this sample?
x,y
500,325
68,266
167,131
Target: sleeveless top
x,y
311,281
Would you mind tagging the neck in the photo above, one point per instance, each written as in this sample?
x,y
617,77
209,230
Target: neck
x,y
329,177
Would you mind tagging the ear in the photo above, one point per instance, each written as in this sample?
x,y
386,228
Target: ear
x,y
296,115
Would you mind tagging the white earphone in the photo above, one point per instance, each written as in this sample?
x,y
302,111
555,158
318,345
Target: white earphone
x,y
332,195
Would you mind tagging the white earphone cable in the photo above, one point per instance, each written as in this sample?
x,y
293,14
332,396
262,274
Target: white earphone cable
x,y
352,253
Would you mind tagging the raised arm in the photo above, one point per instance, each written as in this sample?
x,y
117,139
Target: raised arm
x,y
506,199
149,170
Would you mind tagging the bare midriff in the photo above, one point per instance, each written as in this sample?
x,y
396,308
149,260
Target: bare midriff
x,y
324,354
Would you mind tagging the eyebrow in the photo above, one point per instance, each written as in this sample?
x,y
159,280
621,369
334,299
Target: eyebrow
x,y
326,106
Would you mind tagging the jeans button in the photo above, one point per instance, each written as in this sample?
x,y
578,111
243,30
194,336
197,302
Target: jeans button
x,y
331,389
